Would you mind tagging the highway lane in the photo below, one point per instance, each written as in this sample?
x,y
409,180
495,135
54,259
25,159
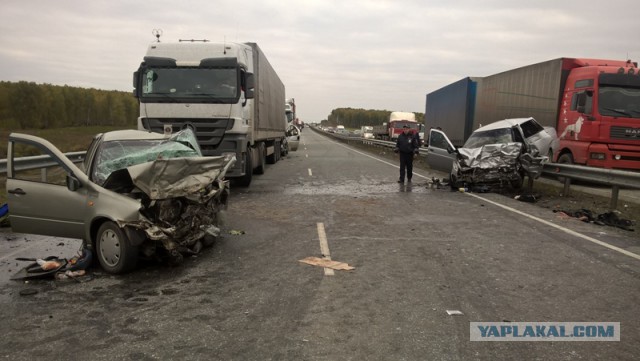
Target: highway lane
x,y
417,253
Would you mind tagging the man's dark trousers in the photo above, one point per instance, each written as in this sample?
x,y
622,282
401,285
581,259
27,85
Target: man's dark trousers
x,y
406,162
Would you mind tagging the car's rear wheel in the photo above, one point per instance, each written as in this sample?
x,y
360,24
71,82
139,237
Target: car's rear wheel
x,y
115,252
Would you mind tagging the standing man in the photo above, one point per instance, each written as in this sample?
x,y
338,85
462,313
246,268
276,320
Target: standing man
x,y
406,145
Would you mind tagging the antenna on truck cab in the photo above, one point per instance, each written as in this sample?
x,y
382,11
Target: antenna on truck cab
x,y
157,33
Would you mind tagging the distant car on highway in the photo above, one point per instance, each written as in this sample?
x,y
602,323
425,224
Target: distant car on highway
x,y
137,193
500,153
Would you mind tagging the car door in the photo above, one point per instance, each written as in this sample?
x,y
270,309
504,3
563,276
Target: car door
x,y
441,151
293,137
40,200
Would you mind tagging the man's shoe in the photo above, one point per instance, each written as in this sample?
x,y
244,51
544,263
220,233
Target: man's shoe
x,y
400,181
409,180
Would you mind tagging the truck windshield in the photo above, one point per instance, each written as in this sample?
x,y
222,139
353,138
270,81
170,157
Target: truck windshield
x,y
617,101
190,83
399,125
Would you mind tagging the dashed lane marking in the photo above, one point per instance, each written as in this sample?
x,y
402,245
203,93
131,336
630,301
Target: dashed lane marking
x,y
324,248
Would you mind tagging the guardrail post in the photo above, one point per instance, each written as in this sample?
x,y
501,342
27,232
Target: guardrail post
x,y
567,183
43,175
614,197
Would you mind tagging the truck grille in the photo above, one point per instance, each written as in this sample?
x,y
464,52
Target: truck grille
x,y
209,132
627,133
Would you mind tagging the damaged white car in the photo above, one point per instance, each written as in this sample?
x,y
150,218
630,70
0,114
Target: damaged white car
x,y
498,155
136,194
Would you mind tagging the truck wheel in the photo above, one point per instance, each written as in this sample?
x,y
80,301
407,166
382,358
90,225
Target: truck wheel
x,y
245,180
115,252
565,158
261,159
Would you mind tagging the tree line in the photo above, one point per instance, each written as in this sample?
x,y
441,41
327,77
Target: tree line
x,y
356,118
27,105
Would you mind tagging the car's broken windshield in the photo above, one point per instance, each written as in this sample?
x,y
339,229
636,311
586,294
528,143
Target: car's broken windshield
x,y
494,136
119,154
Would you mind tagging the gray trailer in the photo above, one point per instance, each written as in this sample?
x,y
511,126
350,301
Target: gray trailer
x,y
530,91
451,109
269,101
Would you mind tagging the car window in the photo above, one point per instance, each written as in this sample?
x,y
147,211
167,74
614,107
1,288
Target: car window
x,y
438,141
53,173
530,127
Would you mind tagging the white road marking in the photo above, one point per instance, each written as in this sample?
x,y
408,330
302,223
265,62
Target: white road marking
x,y
310,174
306,155
566,230
324,248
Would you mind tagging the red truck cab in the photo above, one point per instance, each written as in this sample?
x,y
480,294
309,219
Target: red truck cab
x,y
599,118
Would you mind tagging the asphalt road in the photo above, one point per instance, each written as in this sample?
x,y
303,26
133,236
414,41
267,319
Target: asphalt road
x,y
417,253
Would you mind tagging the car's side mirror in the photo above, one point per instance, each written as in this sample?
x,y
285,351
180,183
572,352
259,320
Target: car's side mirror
x,y
73,184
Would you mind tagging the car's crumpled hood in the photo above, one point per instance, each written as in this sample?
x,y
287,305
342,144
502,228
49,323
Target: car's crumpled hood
x,y
494,160
490,156
178,177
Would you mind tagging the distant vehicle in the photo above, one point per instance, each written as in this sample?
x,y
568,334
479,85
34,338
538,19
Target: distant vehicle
x,y
499,153
366,132
228,93
593,104
397,120
139,193
340,127
290,110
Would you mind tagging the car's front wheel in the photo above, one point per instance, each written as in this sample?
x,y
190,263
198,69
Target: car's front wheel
x,y
115,252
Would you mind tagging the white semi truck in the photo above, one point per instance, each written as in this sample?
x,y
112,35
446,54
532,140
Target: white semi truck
x,y
228,93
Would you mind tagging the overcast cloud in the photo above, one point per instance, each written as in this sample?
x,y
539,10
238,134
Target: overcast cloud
x,y
372,54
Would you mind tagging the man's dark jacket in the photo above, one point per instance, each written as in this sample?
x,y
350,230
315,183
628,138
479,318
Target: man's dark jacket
x,y
407,143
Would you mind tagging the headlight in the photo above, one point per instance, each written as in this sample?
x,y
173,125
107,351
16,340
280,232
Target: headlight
x,y
228,155
617,157
598,156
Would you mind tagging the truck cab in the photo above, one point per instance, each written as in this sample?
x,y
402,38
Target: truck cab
x,y
599,122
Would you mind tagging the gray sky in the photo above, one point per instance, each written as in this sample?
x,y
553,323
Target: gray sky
x,y
372,54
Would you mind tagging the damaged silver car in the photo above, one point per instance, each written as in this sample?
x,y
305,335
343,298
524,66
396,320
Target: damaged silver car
x,y
136,194
498,155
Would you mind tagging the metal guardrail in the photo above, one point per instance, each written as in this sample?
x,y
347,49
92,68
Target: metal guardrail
x,y
39,161
609,177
